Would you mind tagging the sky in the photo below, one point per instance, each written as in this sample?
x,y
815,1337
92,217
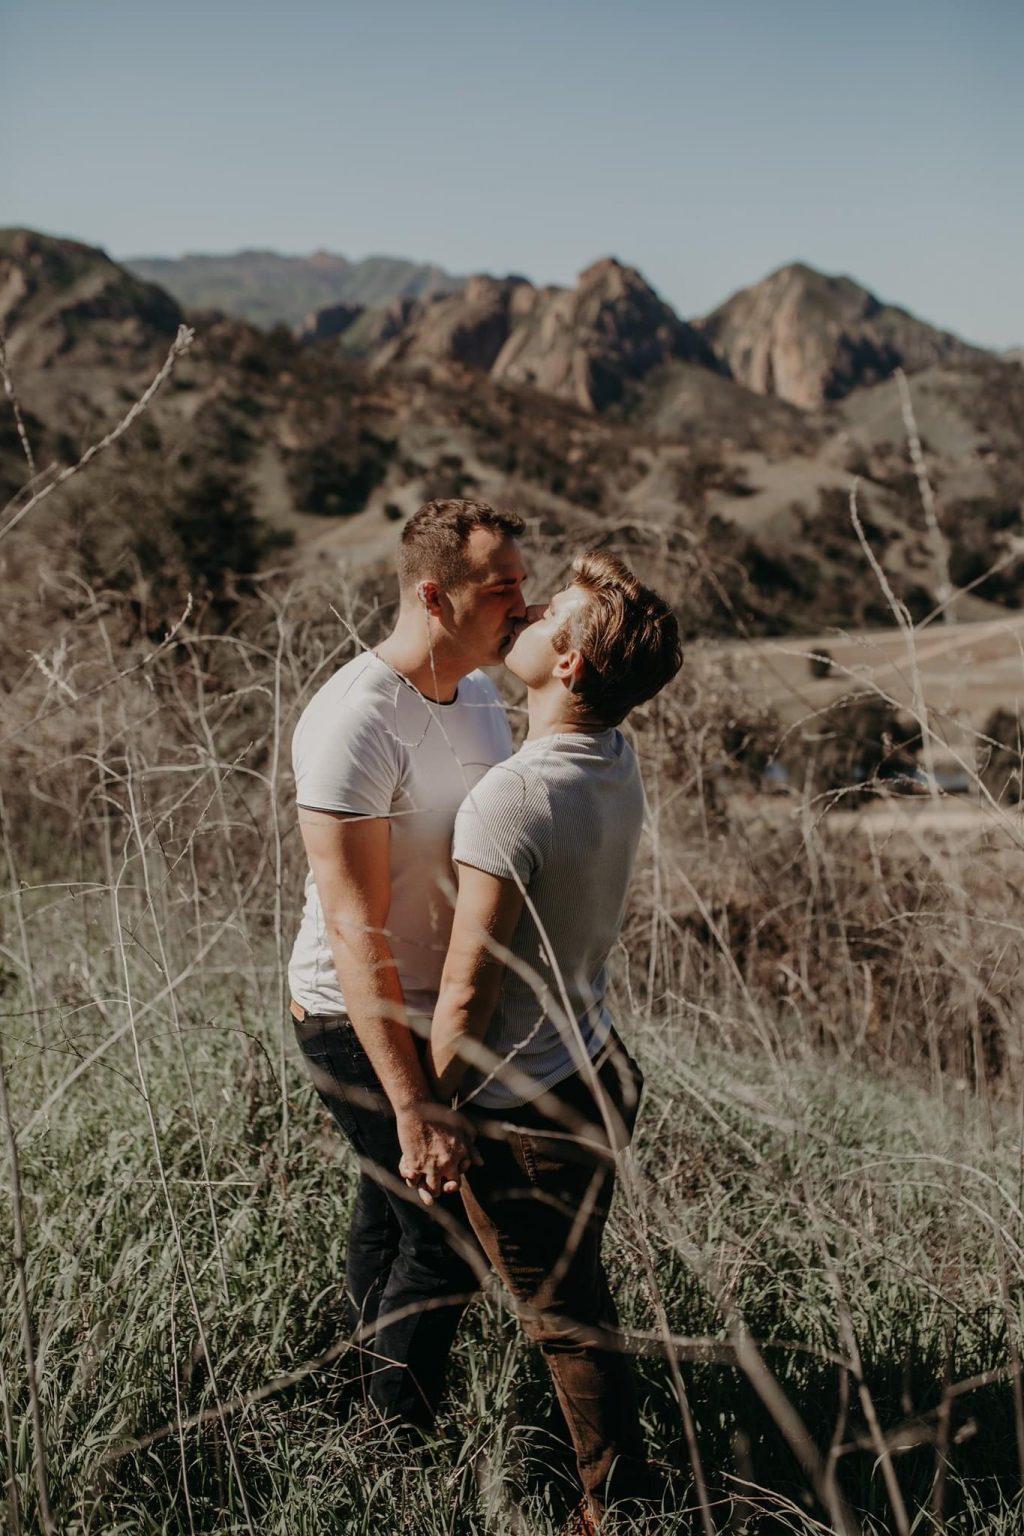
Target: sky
x,y
704,143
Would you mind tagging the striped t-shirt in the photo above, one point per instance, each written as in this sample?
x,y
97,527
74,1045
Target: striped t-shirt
x,y
563,815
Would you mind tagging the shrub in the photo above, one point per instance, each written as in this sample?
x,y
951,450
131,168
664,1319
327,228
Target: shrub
x,y
862,743
1000,755
336,478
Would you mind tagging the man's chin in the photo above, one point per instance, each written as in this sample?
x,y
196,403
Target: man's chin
x,y
505,649
509,660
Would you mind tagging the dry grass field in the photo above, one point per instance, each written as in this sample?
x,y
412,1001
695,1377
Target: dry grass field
x,y
820,1225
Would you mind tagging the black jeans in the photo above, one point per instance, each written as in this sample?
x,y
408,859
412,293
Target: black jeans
x,y
410,1269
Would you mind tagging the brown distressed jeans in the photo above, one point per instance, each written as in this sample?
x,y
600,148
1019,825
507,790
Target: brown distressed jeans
x,y
538,1205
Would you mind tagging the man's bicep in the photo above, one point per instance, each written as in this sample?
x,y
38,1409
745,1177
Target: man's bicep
x,y
350,860
486,913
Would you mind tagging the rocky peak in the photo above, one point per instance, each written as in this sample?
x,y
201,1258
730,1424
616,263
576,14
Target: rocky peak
x,y
588,342
322,258
808,337
609,272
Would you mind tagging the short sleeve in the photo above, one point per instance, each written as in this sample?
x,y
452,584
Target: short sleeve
x,y
501,825
349,762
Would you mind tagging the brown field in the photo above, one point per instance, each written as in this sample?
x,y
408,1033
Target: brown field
x,y
964,671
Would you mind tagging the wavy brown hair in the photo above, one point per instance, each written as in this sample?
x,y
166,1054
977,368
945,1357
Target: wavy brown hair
x,y
628,637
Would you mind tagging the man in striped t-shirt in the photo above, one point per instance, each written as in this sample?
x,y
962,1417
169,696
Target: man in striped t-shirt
x,y
521,1035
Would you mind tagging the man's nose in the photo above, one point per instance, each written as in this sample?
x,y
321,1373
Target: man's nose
x,y
534,612
519,609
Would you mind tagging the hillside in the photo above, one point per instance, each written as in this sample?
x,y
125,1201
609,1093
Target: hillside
x,y
270,289
595,410
809,338
58,297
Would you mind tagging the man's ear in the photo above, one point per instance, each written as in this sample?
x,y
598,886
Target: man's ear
x,y
569,668
428,593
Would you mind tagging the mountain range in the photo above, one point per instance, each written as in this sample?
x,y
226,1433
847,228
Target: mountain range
x,y
270,289
724,447
799,334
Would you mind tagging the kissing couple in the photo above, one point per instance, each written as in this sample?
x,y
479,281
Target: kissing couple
x,y
448,978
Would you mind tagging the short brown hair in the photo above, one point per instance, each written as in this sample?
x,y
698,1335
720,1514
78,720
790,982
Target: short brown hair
x,y
433,546
628,637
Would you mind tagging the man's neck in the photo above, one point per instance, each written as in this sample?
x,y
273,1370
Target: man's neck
x,y
424,661
549,715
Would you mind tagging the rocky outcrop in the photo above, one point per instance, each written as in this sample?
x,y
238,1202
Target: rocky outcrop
x,y
469,327
809,338
588,343
375,328
585,344
325,324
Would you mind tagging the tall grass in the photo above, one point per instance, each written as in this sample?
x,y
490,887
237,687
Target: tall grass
x,y
829,1169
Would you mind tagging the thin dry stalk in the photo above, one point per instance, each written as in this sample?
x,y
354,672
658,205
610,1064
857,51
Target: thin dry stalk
x,y
179,1411
849,1337
26,952
939,544
838,1432
13,1503
172,998
790,1424
27,1337
944,1420
275,822
12,396
1012,1325
108,682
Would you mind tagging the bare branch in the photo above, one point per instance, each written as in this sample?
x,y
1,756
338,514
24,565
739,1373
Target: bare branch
x,y
179,347
9,390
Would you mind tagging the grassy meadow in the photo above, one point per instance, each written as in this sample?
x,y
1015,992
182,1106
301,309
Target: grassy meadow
x,y
818,1244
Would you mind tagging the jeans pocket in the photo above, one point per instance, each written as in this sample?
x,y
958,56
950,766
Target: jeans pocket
x,y
343,1077
329,1088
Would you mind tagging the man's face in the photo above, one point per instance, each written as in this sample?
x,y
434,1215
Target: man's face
x,y
487,608
533,657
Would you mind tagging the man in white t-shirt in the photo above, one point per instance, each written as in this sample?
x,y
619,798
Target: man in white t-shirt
x,y
383,756
545,845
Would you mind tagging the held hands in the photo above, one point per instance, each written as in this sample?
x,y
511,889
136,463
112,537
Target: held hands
x,y
437,1148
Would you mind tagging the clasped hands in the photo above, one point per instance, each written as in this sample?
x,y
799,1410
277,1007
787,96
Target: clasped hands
x,y
437,1146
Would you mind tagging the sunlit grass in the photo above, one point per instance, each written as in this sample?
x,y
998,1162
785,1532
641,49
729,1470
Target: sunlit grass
x,y
753,1173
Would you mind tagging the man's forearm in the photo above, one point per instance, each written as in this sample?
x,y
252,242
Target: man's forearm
x,y
486,915
459,1024
376,1006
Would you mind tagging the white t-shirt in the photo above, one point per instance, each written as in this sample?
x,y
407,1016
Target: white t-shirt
x,y
565,813
369,744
